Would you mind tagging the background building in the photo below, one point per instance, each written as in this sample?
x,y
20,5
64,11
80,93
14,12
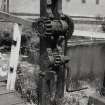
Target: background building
x,y
70,7
75,7
84,7
26,6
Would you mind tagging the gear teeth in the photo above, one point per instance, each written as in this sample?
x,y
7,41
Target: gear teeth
x,y
48,26
48,30
48,21
49,34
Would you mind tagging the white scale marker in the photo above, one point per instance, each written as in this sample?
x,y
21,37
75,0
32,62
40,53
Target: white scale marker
x,y
14,57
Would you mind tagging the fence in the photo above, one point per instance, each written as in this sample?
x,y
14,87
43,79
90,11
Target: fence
x,y
86,64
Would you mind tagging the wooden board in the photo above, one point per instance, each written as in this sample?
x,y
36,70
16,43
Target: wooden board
x,y
89,34
14,57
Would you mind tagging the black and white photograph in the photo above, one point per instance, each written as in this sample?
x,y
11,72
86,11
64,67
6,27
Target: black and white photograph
x,y
52,52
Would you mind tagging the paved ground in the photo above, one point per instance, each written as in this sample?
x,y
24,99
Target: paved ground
x,y
9,98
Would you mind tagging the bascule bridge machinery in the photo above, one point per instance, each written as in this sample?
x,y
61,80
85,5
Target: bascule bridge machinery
x,y
54,30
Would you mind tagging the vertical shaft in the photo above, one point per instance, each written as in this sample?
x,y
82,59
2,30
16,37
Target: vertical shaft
x,y
57,8
54,29
45,8
8,6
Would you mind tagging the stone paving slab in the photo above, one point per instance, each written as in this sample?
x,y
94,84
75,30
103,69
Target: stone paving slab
x,y
11,98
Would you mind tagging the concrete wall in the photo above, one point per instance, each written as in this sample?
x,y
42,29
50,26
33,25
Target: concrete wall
x,y
76,7
27,6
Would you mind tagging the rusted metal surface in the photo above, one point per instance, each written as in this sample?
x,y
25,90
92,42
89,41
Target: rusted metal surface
x,y
54,28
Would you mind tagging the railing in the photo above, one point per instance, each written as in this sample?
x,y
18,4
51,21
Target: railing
x,y
77,19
